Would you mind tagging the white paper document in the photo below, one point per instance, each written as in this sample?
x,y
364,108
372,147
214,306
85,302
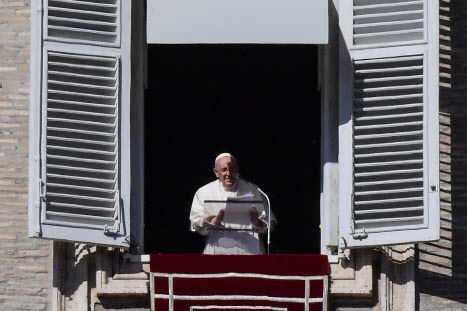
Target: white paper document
x,y
236,209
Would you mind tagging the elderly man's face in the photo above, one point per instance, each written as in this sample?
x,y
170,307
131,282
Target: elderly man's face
x,y
226,170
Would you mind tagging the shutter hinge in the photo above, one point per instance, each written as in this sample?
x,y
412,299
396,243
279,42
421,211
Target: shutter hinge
x,y
38,206
115,229
360,234
127,239
109,230
42,193
342,248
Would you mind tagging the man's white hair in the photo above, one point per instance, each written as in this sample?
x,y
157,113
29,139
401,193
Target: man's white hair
x,y
224,154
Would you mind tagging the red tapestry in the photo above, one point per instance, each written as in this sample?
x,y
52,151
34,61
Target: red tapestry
x,y
195,282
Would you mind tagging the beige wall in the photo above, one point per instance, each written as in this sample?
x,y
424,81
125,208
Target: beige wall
x,y
25,265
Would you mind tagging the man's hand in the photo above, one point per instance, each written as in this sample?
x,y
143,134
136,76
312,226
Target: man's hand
x,y
254,217
216,220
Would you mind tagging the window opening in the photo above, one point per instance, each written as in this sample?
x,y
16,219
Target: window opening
x,y
259,102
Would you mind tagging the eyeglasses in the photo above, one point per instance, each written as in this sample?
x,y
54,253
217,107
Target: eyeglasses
x,y
225,170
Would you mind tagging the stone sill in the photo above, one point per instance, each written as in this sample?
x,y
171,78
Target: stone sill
x,y
124,287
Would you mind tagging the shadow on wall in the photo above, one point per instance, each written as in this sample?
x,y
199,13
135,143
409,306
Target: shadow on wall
x,y
442,265
84,275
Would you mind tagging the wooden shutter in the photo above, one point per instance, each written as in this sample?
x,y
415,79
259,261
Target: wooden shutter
x,y
79,131
388,101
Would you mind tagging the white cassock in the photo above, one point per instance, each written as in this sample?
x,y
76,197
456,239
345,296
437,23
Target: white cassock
x,y
232,238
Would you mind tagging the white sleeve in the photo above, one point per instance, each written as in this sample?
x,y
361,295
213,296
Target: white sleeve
x,y
197,216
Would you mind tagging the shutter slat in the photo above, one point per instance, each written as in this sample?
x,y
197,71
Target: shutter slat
x,y
387,16
389,116
397,134
65,61
382,25
392,144
389,163
83,150
83,122
82,94
82,207
71,66
386,98
389,154
387,79
79,66
80,197
79,21
79,75
84,217
78,11
389,210
367,193
82,169
390,125
77,103
387,70
390,172
81,57
83,113
388,88
84,141
90,3
385,5
51,156
391,107
397,33
94,189
399,219
78,131
398,200
386,182
388,60
99,180
80,30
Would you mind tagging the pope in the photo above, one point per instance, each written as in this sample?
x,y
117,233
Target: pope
x,y
223,237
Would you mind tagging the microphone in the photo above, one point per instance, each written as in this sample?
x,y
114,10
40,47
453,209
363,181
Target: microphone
x,y
269,207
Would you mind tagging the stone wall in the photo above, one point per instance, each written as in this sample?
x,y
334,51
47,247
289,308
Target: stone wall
x,y
25,264
442,266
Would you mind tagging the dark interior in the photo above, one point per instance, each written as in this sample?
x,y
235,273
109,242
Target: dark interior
x,y
258,102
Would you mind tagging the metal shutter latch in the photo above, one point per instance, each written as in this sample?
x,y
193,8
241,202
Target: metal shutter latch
x,y
109,230
360,234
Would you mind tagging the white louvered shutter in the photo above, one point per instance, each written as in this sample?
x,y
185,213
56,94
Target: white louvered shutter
x,y
79,149
388,101
84,22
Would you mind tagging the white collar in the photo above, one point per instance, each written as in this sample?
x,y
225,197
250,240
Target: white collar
x,y
233,189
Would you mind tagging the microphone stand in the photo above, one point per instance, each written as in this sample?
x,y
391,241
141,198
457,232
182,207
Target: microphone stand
x,y
269,210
